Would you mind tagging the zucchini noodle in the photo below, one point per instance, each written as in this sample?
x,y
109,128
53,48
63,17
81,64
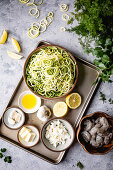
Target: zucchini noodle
x,y
24,1
30,3
39,3
50,72
40,27
50,14
65,17
63,29
64,7
33,32
35,11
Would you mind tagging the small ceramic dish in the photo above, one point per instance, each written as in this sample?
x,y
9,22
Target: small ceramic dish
x,y
32,110
8,113
60,147
29,144
86,146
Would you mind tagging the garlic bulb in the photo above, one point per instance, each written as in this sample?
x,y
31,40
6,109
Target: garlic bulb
x,y
44,113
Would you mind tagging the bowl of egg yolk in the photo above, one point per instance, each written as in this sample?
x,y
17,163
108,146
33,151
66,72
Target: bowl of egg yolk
x,y
29,102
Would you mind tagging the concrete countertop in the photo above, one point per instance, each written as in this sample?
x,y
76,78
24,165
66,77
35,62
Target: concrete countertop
x,y
15,18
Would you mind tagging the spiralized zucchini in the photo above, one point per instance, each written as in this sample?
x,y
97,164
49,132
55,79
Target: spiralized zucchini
x,y
24,1
63,29
33,32
64,7
30,3
50,72
41,26
33,11
39,3
65,17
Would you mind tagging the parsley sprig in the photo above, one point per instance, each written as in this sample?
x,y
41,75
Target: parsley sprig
x,y
6,158
80,165
110,101
102,97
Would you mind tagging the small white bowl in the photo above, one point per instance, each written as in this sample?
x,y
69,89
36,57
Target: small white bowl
x,y
61,147
7,114
29,110
29,144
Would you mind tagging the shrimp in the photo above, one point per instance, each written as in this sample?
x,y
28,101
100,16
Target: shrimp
x,y
97,132
94,130
88,125
105,124
98,125
86,135
108,138
96,141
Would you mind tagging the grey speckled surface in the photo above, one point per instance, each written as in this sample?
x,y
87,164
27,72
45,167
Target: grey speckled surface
x,y
15,18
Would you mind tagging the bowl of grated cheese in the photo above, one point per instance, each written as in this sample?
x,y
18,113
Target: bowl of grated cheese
x,y
57,134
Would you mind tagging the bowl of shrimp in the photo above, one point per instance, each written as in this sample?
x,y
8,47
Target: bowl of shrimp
x,y
95,133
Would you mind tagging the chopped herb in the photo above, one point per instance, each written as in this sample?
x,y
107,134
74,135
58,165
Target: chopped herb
x,y
6,158
102,97
3,149
1,155
110,101
96,81
80,165
70,21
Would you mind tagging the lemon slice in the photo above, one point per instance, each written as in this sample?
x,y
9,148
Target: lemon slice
x,y
4,37
73,100
16,45
60,109
14,55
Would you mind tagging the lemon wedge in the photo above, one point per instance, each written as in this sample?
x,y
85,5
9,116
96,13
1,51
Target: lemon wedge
x,y
60,109
4,37
16,45
73,100
14,55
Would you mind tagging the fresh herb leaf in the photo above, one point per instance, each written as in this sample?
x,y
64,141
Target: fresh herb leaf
x,y
70,21
5,160
8,159
80,165
110,101
108,41
3,149
96,81
1,155
102,97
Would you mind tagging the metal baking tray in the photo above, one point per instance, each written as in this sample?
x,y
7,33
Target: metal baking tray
x,y
88,73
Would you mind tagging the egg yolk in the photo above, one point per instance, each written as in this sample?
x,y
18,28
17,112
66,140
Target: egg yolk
x,y
29,101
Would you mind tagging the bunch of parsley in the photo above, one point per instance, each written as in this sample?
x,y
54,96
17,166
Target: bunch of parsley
x,y
95,24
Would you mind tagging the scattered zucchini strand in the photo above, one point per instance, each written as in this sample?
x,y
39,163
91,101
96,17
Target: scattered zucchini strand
x,y
30,3
40,27
65,17
63,29
64,7
36,11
